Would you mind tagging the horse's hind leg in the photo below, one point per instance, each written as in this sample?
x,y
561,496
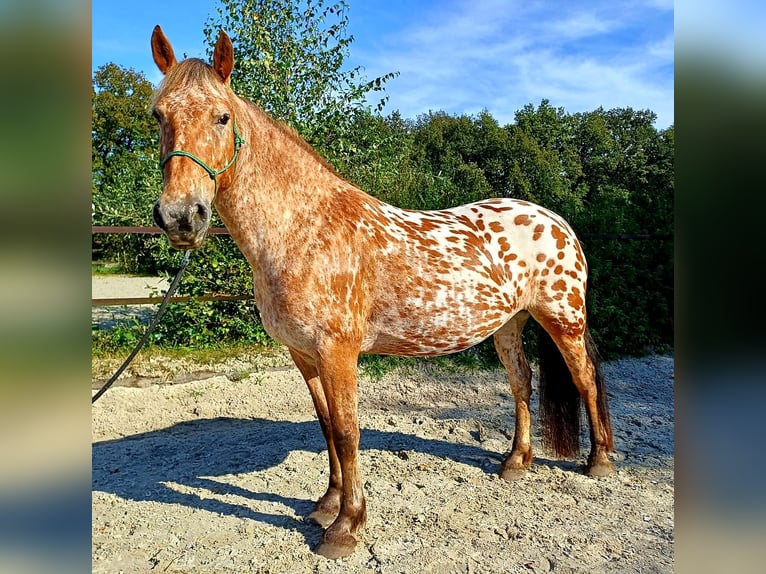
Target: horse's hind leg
x,y
509,349
328,506
579,353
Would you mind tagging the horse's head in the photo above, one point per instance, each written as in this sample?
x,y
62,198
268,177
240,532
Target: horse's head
x,y
199,140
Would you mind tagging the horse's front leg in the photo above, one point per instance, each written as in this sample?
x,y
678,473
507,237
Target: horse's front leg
x,y
337,372
328,506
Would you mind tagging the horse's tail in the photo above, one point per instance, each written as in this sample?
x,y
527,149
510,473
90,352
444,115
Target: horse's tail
x,y
560,400
602,399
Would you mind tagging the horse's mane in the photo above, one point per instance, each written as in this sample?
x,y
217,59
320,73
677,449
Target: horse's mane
x,y
292,134
193,71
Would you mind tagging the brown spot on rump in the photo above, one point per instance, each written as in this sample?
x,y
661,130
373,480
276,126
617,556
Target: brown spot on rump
x,y
539,228
574,299
510,257
541,257
559,236
550,263
470,238
467,221
558,296
559,285
495,209
522,219
480,225
560,255
558,269
496,226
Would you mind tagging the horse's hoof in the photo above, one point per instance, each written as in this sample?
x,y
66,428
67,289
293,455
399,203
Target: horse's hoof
x,y
511,474
600,469
322,517
337,546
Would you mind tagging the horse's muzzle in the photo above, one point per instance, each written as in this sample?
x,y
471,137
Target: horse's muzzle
x,y
184,223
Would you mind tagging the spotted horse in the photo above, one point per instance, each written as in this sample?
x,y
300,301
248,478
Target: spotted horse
x,y
338,273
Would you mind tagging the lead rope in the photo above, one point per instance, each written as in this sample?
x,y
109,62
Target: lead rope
x,y
149,330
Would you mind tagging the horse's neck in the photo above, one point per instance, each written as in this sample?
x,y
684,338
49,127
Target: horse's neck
x,y
279,190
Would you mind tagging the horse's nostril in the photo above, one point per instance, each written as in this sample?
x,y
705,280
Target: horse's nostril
x,y
203,211
157,216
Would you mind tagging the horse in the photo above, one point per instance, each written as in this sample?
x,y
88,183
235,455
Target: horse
x,y
338,273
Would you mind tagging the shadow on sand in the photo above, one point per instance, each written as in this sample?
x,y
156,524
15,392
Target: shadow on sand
x,y
171,465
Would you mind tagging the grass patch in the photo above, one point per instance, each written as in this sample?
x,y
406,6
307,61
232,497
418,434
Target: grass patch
x,y
104,348
108,269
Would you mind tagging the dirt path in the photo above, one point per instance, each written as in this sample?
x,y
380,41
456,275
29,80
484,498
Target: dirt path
x,y
216,475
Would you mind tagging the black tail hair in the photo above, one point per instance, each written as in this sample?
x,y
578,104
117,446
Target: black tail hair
x,y
560,400
602,401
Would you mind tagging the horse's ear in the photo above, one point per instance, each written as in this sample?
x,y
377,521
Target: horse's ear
x,y
162,51
223,57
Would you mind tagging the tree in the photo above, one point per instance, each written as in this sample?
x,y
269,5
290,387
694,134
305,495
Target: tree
x,y
289,60
122,128
125,177
123,146
544,164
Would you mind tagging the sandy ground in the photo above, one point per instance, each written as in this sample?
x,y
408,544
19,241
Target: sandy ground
x,y
212,468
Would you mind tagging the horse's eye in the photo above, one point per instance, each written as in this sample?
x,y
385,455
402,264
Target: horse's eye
x,y
156,115
224,119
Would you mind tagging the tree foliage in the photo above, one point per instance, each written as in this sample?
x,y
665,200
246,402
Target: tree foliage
x,y
125,177
290,60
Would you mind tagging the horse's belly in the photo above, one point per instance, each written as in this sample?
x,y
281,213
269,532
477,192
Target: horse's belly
x,y
423,334
420,346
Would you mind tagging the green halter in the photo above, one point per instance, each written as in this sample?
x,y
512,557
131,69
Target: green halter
x,y
238,141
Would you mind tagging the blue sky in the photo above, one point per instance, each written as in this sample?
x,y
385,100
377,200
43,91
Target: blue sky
x,y
455,55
